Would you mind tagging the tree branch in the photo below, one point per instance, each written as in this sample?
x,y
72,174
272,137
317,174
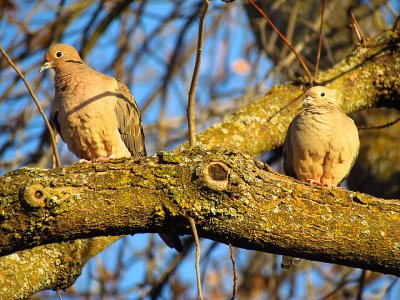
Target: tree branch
x,y
233,199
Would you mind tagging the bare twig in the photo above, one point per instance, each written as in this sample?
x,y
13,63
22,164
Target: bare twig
x,y
357,29
235,276
59,294
53,140
320,38
310,78
380,126
361,284
196,240
196,70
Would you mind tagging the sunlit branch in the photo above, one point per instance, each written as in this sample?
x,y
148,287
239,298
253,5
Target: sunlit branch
x,y
196,240
193,84
357,29
235,276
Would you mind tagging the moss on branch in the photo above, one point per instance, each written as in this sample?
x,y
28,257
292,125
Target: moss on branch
x,y
251,207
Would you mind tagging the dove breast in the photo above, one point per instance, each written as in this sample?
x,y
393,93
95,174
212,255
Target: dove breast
x,y
321,145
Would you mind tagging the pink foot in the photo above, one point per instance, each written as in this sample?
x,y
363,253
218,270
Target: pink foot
x,y
312,181
85,161
102,158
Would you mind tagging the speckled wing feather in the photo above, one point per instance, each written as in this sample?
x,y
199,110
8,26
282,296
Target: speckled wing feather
x,y
130,121
55,124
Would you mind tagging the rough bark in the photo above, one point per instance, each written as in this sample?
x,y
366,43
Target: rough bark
x,y
233,198
53,266
368,77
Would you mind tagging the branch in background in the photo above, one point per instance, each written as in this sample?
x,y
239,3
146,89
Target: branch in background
x,y
310,78
357,29
53,140
192,124
361,284
193,84
196,240
320,38
379,126
235,276
59,294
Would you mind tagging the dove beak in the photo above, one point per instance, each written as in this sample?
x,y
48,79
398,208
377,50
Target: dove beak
x,y
307,101
46,65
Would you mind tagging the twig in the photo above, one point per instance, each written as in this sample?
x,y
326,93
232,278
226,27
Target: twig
x,y
59,294
320,38
53,157
361,284
196,70
53,140
196,240
380,126
310,78
357,29
235,276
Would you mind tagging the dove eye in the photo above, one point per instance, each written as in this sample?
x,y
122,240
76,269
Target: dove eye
x,y
322,94
59,54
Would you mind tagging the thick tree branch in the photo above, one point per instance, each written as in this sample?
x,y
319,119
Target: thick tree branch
x,y
49,266
233,198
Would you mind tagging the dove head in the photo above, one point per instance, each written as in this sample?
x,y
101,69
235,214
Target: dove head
x,y
59,55
318,95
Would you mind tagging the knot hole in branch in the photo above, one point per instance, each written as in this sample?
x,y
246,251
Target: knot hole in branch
x,y
216,175
35,195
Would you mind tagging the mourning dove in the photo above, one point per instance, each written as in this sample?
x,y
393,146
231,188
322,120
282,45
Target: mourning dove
x,y
321,144
95,114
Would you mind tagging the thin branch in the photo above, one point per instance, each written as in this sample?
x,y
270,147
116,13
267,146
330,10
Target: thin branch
x,y
361,285
357,29
196,70
235,276
320,38
59,294
53,140
196,240
310,78
380,126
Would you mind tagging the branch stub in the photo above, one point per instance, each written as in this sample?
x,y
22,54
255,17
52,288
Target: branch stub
x,y
35,195
215,176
